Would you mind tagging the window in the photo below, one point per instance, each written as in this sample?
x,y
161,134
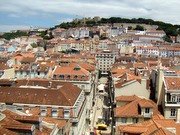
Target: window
x,y
38,73
54,76
66,113
19,108
178,99
147,110
54,113
83,87
173,112
75,77
123,120
43,112
168,97
135,120
61,76
68,77
173,98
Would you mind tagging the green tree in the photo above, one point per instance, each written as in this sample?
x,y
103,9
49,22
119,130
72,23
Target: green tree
x,y
139,27
34,45
129,27
167,39
12,35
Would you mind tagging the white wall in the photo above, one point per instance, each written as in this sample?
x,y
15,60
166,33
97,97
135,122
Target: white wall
x,y
8,74
134,88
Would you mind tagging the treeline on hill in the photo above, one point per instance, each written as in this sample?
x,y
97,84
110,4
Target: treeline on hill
x,y
12,35
171,30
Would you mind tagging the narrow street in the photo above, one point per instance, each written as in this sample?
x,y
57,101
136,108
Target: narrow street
x,y
98,111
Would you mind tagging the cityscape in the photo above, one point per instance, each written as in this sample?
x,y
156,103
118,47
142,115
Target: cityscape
x,y
95,73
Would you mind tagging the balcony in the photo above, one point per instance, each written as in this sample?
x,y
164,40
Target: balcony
x,y
174,104
147,115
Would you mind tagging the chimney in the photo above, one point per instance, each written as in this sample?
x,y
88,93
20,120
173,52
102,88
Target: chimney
x,y
178,116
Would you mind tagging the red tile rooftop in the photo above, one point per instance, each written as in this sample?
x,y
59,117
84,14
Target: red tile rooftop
x,y
172,83
67,95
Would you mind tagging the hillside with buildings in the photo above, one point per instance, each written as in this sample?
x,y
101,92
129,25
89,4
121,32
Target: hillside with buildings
x,y
97,76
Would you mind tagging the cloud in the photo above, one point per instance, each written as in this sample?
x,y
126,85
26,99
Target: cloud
x,y
162,10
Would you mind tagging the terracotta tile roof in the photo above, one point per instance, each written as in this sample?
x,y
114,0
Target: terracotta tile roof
x,y
23,118
35,111
128,110
172,83
21,56
9,123
120,84
139,65
162,131
132,130
150,127
126,98
28,59
178,128
70,92
4,131
14,121
3,66
157,116
145,103
117,72
67,95
165,122
132,109
60,123
70,71
44,131
88,67
53,84
25,127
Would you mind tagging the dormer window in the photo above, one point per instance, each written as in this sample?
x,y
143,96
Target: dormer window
x,y
77,68
61,76
123,120
43,112
75,77
66,113
54,76
178,99
135,120
83,77
54,112
147,110
173,98
68,77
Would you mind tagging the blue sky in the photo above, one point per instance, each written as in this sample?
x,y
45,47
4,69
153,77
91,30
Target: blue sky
x,y
21,14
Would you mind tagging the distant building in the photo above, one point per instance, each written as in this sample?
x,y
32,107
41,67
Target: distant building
x,y
105,60
159,33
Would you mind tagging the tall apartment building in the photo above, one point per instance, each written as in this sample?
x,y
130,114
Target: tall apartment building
x,y
105,60
167,94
